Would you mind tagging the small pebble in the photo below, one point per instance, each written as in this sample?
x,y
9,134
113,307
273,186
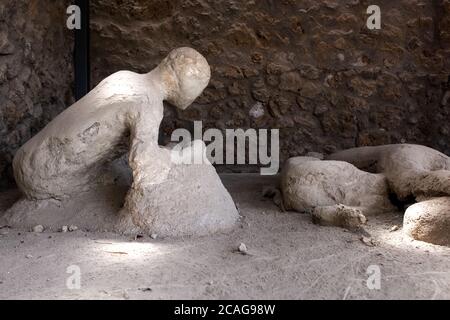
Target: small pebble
x,y
393,229
38,229
368,241
73,228
64,229
154,236
126,296
29,256
243,248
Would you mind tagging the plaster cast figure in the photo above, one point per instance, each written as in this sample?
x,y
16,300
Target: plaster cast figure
x,y
414,173
334,192
123,114
429,221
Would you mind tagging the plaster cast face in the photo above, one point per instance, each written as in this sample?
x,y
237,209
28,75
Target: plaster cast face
x,y
185,74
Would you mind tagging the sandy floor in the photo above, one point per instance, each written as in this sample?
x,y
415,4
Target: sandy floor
x,y
289,258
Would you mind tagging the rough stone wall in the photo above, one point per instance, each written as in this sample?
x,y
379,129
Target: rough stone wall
x,y
312,67
35,71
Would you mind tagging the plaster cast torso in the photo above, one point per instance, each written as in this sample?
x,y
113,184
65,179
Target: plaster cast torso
x,y
68,153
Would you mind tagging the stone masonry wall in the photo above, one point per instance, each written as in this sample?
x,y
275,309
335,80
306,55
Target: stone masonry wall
x,y
310,68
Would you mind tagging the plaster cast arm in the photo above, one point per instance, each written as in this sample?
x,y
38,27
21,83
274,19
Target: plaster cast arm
x,y
148,161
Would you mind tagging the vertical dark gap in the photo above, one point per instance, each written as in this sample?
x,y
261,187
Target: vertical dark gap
x,y
438,8
81,54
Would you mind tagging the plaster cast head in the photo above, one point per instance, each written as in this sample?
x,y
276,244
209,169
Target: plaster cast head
x,y
185,74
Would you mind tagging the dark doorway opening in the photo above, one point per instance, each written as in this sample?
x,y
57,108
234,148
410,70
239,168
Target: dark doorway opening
x,y
81,52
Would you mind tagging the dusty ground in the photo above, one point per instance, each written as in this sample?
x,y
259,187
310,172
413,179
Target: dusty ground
x,y
289,258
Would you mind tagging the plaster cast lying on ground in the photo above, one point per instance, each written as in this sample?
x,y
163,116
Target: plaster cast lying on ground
x,y
65,157
123,114
417,173
335,192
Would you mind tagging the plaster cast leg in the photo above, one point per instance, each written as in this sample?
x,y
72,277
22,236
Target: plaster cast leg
x,y
420,184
